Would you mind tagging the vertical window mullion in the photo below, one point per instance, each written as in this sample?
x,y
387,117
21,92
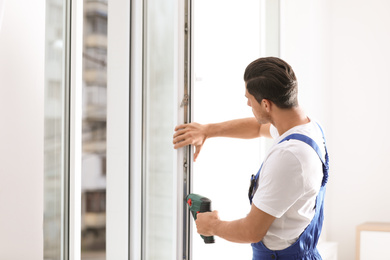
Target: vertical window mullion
x,y
118,176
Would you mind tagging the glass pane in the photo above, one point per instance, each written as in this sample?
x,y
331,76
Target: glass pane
x,y
226,40
159,124
93,197
54,129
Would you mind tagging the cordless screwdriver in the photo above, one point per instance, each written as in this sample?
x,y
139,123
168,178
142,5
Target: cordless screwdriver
x,y
199,204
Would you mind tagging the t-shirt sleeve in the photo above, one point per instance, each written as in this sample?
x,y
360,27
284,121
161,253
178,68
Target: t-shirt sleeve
x,y
280,183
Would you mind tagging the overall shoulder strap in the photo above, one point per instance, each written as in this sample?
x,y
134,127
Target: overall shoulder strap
x,y
313,144
305,139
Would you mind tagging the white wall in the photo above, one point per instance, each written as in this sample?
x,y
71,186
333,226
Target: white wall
x,y
360,96
21,129
340,50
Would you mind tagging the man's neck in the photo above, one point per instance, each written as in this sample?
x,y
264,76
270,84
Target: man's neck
x,y
285,119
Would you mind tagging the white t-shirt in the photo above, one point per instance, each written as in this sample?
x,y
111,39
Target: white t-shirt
x,y
289,182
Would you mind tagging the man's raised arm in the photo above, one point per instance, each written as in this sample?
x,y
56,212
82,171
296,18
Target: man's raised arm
x,y
196,134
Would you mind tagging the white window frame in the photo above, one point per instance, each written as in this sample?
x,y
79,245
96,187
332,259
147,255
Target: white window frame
x,y
118,129
125,132
72,246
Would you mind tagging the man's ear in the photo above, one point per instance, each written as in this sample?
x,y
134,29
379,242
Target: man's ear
x,y
266,104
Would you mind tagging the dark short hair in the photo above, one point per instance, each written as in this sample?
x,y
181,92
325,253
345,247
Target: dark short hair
x,y
273,79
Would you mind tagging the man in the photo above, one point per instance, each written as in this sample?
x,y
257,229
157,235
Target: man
x,y
287,194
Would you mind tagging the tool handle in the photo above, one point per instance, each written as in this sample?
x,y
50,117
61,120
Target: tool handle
x,y
205,206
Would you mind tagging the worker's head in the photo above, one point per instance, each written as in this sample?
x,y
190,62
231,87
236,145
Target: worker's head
x,y
273,79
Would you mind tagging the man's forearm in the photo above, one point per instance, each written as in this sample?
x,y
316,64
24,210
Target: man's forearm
x,y
250,229
237,231
245,128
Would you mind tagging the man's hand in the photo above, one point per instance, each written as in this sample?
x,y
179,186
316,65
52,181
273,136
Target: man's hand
x,y
196,134
206,223
190,134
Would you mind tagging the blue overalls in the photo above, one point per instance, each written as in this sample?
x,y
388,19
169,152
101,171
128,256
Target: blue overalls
x,y
305,247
